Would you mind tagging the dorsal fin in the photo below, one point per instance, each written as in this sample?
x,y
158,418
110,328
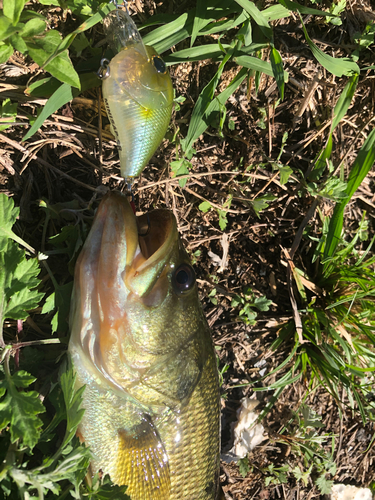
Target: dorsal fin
x,y
143,463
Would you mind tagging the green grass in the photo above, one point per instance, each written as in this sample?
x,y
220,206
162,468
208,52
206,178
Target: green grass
x,y
334,344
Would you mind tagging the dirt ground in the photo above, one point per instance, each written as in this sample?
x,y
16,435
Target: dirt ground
x,y
65,162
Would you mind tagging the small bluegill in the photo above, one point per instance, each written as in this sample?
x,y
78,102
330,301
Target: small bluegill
x,y
138,94
141,345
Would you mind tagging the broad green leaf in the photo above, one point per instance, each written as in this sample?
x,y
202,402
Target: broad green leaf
x,y
43,88
244,466
261,203
28,14
285,173
324,485
12,9
6,50
245,33
262,303
6,28
223,221
258,17
20,409
60,66
49,304
63,95
278,70
18,43
205,206
337,66
106,490
33,27
56,3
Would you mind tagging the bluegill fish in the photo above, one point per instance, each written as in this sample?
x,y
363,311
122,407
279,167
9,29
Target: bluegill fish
x,y
138,94
141,345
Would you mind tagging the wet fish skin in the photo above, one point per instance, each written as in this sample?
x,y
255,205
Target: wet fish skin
x,y
137,93
143,349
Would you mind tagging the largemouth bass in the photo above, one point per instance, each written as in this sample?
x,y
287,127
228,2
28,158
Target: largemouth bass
x,y
138,94
141,345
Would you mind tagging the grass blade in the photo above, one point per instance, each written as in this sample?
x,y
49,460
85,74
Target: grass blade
x,y
344,102
63,94
257,65
199,120
200,20
361,166
296,7
339,112
278,70
258,17
336,66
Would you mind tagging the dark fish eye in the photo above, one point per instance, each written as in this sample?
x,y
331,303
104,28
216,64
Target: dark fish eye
x,y
159,64
183,278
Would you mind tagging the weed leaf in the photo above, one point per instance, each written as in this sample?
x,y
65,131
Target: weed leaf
x,y
296,7
8,216
360,168
336,66
63,95
258,17
20,409
12,9
244,466
278,70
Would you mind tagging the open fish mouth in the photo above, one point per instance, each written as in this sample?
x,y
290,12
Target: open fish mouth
x,y
127,248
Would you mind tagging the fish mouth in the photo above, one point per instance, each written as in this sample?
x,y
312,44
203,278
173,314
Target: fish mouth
x,y
135,248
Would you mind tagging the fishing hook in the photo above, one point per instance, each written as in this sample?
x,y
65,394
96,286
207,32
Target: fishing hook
x,y
103,71
124,3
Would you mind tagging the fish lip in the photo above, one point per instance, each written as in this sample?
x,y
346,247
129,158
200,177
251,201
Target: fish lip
x,y
141,256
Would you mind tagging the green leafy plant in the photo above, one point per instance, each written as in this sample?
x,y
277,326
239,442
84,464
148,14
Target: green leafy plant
x,y
247,303
313,448
39,451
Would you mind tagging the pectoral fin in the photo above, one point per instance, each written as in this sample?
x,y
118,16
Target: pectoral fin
x,y
143,462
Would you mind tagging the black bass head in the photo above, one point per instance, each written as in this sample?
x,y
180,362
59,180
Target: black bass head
x,y
136,318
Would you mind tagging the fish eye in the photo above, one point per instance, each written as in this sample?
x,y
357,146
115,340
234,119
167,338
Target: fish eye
x,y
159,64
183,278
